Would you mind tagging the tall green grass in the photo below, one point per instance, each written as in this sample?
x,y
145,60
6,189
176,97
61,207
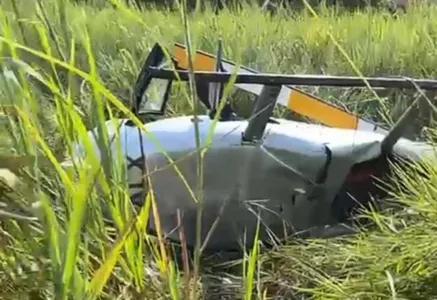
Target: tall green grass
x,y
376,42
86,59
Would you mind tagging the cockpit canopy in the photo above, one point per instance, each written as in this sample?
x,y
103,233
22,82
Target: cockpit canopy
x,y
151,94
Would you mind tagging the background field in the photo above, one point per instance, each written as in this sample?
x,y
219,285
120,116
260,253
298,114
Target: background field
x,y
67,250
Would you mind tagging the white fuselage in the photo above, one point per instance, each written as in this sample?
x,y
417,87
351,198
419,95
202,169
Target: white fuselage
x,y
273,176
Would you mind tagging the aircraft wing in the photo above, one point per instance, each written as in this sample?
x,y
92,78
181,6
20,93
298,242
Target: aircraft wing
x,y
297,101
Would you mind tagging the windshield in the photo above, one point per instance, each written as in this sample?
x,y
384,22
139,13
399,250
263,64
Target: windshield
x,y
154,96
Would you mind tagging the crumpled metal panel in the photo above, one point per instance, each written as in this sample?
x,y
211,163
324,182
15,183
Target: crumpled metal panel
x,y
240,181
276,178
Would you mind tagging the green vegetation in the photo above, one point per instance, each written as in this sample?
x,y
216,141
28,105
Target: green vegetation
x,y
87,58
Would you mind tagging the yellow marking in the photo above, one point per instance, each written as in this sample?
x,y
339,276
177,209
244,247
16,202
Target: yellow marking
x,y
315,109
202,62
299,102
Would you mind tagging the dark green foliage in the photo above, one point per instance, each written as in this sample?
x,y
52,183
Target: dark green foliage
x,y
233,5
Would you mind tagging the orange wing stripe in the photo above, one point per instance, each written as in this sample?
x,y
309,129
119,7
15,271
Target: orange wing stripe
x,y
315,109
201,62
301,103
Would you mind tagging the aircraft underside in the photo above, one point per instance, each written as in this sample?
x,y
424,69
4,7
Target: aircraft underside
x,y
288,183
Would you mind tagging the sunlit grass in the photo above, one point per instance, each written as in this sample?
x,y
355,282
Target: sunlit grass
x,y
85,60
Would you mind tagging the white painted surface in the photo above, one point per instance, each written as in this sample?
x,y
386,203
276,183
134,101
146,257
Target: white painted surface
x,y
240,175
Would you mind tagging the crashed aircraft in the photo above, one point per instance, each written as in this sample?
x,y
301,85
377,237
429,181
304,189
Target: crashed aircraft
x,y
284,175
